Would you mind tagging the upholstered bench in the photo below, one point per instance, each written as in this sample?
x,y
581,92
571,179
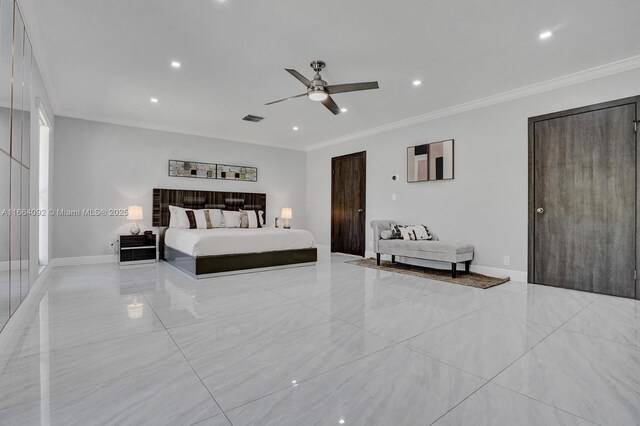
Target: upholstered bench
x,y
433,249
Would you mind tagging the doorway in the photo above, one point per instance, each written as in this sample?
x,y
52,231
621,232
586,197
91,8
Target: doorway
x,y
583,198
348,203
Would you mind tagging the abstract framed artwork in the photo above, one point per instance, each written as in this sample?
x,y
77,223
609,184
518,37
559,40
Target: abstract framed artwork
x,y
237,173
192,169
430,162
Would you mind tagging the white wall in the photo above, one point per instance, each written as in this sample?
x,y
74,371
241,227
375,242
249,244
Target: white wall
x,y
486,203
103,166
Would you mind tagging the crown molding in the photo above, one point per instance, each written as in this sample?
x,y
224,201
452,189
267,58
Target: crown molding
x,y
168,129
533,89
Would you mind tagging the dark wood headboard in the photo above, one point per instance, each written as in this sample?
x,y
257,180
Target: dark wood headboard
x,y
188,199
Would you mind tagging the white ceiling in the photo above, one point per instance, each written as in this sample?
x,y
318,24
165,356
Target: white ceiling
x,y
104,60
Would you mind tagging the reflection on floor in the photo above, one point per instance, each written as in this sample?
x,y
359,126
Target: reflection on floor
x,y
330,344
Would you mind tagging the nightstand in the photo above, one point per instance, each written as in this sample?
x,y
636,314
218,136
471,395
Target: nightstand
x,y
136,249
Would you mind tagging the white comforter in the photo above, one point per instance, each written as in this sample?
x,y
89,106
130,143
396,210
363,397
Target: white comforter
x,y
213,242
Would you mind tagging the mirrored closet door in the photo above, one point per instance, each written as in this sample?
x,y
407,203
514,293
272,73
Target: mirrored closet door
x,y
15,144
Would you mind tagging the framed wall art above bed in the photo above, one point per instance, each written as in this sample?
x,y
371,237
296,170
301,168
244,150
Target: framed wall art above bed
x,y
193,169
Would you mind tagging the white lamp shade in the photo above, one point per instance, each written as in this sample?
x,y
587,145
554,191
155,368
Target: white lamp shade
x,y
286,213
135,213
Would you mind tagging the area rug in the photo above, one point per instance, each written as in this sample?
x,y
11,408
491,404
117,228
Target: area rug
x,y
471,279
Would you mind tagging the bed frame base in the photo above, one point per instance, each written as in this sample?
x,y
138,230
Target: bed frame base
x,y
230,264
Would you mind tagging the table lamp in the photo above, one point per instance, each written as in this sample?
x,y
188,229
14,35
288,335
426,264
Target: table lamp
x,y
286,216
135,214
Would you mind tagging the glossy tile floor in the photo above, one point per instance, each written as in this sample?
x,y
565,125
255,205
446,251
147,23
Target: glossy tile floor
x,y
326,345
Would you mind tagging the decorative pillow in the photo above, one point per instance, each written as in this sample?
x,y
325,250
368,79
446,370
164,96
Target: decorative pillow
x,y
386,234
421,232
396,232
217,220
202,218
244,219
407,233
207,219
252,218
191,216
178,218
416,232
261,223
232,219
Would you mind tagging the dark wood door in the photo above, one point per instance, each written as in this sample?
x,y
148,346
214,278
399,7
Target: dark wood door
x,y
348,203
583,209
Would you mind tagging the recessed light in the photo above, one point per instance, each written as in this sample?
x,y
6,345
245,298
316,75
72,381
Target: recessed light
x,y
295,128
343,110
545,35
154,100
417,82
341,421
176,64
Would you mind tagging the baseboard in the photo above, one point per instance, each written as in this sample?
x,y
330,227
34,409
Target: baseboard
x,y
13,265
83,260
21,315
484,270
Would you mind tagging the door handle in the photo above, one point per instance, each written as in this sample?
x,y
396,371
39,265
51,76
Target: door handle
x,y
539,210
359,210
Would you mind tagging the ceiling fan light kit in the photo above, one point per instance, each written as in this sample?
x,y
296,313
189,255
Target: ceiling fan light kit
x,y
319,91
317,95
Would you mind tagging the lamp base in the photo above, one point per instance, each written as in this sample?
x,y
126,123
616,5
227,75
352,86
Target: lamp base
x,y
135,229
286,223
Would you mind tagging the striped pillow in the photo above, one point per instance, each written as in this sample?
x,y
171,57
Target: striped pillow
x,y
252,219
191,216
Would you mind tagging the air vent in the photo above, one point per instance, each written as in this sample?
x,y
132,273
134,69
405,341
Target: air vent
x,y
253,118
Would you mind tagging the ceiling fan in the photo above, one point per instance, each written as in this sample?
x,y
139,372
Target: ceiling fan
x,y
319,91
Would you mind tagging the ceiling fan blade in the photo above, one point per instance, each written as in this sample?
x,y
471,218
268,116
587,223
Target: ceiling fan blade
x,y
299,76
331,105
351,87
286,99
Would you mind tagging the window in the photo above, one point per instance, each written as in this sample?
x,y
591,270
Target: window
x,y
43,190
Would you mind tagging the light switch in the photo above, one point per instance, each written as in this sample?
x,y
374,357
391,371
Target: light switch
x,y
393,196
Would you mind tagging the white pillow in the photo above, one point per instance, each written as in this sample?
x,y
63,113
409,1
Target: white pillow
x,y
217,220
253,218
178,218
201,220
232,219
261,218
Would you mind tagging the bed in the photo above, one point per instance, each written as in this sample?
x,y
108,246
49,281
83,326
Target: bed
x,y
220,251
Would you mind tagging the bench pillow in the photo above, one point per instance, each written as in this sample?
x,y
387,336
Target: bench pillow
x,y
415,232
422,233
387,234
396,232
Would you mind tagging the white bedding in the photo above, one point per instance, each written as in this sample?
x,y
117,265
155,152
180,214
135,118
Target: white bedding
x,y
213,242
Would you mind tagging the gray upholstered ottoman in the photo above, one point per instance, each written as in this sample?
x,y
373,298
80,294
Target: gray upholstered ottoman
x,y
433,249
